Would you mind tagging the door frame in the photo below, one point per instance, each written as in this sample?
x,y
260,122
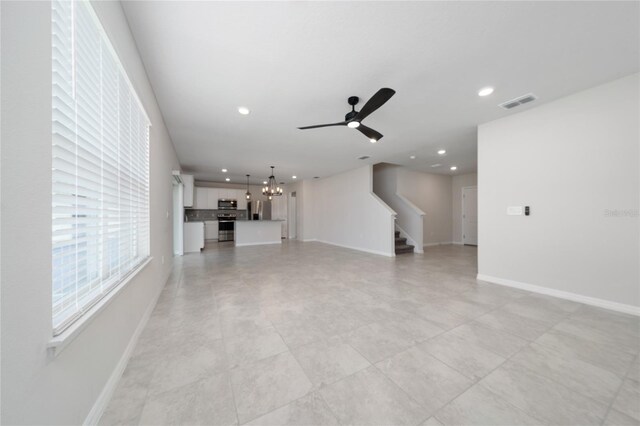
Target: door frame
x,y
462,233
292,224
177,202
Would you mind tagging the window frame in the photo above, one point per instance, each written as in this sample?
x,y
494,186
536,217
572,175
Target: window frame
x,y
70,326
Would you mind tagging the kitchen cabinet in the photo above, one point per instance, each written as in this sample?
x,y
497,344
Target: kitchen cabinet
x,y
211,230
242,200
207,198
193,237
226,193
187,181
201,198
212,197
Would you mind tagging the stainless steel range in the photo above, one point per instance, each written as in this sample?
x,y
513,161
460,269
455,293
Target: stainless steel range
x,y
226,226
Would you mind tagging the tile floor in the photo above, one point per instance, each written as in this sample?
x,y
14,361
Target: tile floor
x,y
311,334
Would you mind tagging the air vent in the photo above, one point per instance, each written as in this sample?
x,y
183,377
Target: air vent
x,y
364,157
521,100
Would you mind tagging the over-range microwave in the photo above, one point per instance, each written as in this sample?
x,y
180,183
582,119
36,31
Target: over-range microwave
x,y
226,204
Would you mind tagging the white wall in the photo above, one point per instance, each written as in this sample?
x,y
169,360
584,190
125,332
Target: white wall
x,y
431,193
299,190
61,390
571,160
343,210
457,183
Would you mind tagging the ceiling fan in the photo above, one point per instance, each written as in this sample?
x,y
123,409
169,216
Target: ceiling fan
x,y
354,118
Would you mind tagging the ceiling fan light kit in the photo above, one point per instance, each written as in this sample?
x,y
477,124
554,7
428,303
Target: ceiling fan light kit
x,y
354,118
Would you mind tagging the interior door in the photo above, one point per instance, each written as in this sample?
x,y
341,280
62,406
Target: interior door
x,y
470,215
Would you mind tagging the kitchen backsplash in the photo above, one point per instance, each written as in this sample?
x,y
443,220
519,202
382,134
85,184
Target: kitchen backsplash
x,y
193,215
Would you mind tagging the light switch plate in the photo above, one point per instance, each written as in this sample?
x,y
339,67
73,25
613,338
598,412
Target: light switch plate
x,y
515,210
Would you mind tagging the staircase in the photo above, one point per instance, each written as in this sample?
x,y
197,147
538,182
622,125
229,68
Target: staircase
x,y
402,246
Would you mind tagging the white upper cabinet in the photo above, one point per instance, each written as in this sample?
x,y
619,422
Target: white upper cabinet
x,y
207,198
187,181
242,201
201,198
214,194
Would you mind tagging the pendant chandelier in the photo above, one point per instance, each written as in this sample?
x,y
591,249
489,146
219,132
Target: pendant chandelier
x,y
247,195
272,189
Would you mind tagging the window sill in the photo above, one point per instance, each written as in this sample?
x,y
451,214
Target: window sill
x,y
61,341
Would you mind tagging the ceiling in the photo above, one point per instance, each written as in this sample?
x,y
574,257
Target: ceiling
x,y
296,63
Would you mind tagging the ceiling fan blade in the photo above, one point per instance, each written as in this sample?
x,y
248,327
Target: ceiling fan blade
x,y
369,132
376,101
342,123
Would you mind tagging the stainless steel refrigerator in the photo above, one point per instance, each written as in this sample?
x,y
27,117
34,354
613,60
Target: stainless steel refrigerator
x,y
260,210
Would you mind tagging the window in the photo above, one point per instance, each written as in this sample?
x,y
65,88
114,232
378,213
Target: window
x,y
100,203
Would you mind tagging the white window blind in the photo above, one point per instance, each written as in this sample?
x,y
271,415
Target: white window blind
x,y
100,167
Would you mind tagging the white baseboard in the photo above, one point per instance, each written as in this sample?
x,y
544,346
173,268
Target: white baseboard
x,y
258,244
109,388
441,243
574,297
458,243
381,253
309,240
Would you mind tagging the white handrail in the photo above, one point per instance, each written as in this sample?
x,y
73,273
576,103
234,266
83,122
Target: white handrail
x,y
415,208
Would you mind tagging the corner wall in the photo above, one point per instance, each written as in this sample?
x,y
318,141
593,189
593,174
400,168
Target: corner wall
x,y
343,210
38,389
575,161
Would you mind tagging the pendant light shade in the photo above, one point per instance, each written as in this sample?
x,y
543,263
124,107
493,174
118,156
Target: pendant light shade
x,y
248,193
272,189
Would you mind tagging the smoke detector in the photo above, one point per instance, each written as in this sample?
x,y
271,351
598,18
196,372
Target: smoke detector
x,y
520,100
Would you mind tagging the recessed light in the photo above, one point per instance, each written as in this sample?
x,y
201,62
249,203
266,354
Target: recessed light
x,y
373,140
436,165
227,179
224,170
264,182
442,151
485,91
413,157
353,124
244,110
453,168
294,177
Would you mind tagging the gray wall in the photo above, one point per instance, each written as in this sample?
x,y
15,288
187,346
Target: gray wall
x,y
37,389
573,161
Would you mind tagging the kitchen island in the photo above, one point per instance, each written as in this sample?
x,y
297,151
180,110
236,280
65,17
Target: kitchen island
x,y
258,232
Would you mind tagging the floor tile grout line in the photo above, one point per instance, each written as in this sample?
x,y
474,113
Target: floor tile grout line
x,y
478,383
224,345
147,390
312,390
550,379
615,397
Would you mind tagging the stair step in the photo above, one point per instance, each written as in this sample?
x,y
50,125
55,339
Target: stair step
x,y
404,248
397,234
400,241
